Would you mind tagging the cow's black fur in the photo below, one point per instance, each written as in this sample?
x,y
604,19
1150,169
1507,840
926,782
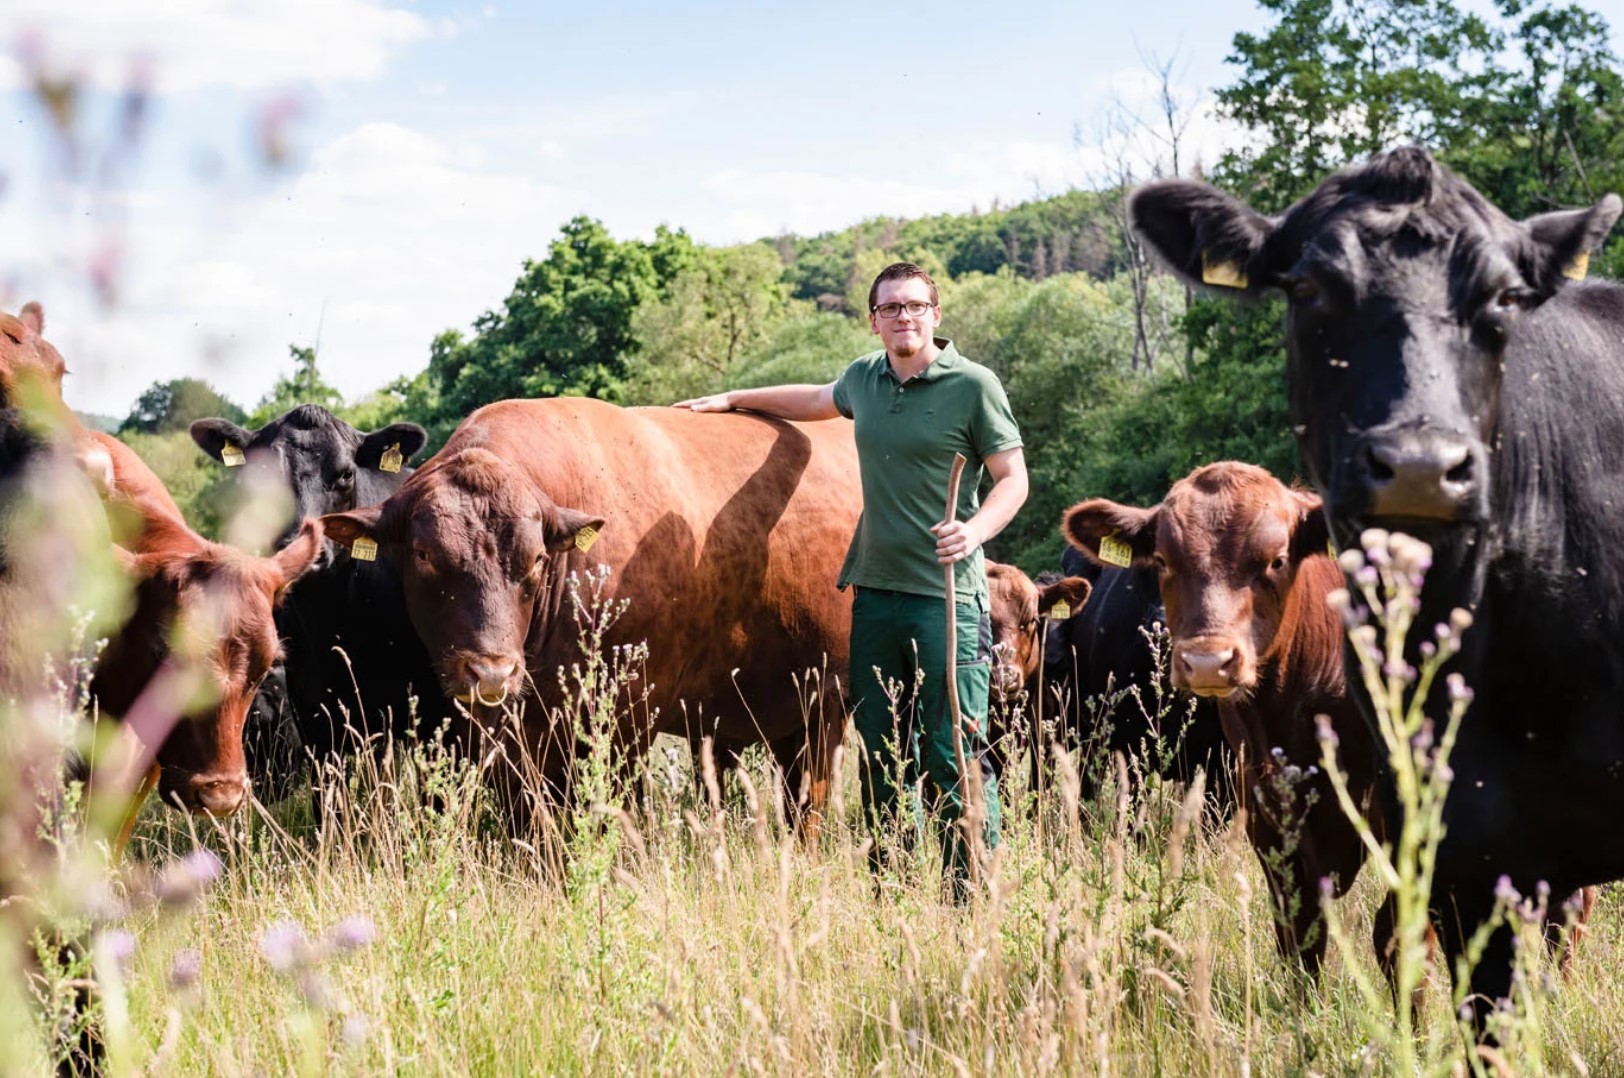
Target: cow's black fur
x,y
1104,649
351,655
1419,310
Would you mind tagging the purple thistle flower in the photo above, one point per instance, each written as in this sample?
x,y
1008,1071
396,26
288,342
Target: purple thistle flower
x,y
1504,892
355,1029
119,945
1459,691
184,881
284,946
186,970
351,934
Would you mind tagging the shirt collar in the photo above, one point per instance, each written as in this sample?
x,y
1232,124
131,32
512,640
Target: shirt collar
x,y
944,363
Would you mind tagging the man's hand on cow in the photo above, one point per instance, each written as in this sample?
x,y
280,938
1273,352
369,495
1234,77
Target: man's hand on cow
x,y
955,540
716,402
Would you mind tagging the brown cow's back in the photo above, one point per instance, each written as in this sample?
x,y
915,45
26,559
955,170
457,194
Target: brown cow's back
x,y
724,532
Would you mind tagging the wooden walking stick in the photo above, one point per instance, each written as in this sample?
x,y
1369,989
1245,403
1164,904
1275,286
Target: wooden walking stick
x,y
971,783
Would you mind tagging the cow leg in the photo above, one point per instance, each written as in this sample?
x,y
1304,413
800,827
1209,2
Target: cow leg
x,y
1465,908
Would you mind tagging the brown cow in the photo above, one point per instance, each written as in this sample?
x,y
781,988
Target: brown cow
x,y
1016,607
1244,577
202,608
725,532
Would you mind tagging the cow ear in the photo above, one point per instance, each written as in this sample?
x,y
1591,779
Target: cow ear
x,y
213,435
345,528
32,316
408,436
569,527
1562,242
1072,590
1127,534
1311,534
297,558
1204,235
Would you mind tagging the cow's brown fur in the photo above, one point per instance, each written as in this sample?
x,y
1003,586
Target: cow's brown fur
x,y
725,532
1016,607
198,603
1243,569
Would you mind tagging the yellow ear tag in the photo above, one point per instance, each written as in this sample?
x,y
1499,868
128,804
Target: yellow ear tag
x,y
364,549
585,538
391,459
1578,267
1060,611
1114,551
233,456
1222,274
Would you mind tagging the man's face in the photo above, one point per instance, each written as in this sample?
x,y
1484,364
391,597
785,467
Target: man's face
x,y
906,334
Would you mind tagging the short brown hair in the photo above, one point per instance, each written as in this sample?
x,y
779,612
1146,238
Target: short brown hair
x,y
900,271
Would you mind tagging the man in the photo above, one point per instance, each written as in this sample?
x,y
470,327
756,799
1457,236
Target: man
x,y
915,404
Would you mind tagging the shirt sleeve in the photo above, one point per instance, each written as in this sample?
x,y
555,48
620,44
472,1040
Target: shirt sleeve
x,y
993,429
843,392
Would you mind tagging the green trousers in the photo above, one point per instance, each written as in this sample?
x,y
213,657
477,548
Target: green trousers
x,y
898,675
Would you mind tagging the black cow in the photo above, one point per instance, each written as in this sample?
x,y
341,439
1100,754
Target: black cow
x,y
1096,659
352,657
1449,380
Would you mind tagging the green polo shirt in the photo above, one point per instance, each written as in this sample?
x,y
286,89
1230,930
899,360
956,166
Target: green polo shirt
x,y
907,433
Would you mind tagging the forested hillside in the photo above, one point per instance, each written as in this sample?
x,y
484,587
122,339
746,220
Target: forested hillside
x,y
1120,379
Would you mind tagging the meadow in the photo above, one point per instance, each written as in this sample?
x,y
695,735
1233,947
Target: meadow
x,y
679,925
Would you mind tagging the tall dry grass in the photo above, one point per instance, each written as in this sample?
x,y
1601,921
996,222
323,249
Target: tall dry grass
x,y
669,925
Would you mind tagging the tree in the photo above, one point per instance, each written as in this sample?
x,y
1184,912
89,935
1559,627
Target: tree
x,y
304,386
175,404
566,328
726,303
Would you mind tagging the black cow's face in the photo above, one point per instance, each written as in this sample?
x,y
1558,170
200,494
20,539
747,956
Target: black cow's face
x,y
326,465
1405,288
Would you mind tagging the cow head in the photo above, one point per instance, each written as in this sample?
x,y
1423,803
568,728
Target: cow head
x,y
206,612
327,465
1016,607
31,369
1227,543
1404,288
474,541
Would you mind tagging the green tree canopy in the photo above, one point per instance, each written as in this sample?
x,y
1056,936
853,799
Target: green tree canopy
x,y
175,404
304,386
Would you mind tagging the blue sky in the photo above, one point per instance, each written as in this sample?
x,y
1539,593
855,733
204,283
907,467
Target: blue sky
x,y
435,146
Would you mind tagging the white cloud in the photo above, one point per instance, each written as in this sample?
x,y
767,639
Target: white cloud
x,y
387,238
247,44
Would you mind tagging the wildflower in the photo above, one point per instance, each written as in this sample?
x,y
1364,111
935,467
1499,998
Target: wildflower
x,y
1459,691
351,934
355,1030
119,946
186,970
1350,561
1504,892
1373,539
1460,620
1339,600
285,947
184,881
1366,577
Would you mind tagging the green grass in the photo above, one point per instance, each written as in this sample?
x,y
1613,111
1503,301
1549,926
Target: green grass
x,y
1131,939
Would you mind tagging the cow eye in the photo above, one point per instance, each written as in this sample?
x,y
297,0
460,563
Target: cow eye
x,y
1305,289
1508,300
345,480
1278,565
422,555
1160,562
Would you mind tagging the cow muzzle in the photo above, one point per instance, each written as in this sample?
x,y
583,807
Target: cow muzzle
x,y
212,794
1418,475
488,680
1208,667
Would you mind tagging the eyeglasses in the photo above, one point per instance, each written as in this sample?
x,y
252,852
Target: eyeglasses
x,y
915,309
